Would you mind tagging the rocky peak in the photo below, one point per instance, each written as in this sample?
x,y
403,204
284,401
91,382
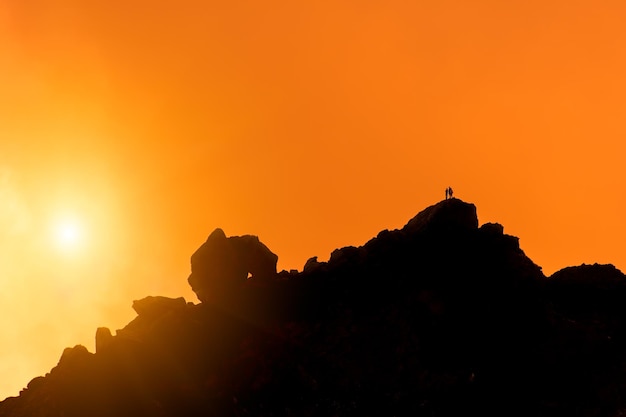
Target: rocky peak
x,y
439,318
447,215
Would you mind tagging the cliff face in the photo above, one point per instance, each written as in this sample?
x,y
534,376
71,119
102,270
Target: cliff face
x,y
439,318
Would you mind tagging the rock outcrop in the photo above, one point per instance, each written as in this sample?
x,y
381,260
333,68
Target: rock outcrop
x,y
447,215
104,339
222,264
439,318
589,289
156,306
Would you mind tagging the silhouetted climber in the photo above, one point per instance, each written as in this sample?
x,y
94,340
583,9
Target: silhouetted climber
x,y
222,264
450,191
447,192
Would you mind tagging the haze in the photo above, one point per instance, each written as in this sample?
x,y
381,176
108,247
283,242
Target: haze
x,y
129,130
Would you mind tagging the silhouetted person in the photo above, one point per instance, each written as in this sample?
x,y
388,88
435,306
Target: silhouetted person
x,y
450,191
447,192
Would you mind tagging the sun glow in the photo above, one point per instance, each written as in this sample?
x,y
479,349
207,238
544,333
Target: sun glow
x,y
68,235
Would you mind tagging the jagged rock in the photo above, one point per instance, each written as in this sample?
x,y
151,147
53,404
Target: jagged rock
x,y
581,290
36,383
312,265
493,228
605,277
222,264
104,338
437,319
347,255
75,356
155,306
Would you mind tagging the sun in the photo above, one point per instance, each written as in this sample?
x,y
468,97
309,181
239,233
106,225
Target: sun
x,y
68,235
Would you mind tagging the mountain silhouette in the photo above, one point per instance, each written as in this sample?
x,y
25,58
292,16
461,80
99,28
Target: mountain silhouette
x,y
439,318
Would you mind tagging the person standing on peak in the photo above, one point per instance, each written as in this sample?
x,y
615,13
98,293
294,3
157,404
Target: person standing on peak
x,y
447,192
450,191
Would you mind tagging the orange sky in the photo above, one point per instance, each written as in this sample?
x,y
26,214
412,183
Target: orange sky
x,y
314,126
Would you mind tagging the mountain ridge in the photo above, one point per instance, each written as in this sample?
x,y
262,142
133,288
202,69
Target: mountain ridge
x,y
436,318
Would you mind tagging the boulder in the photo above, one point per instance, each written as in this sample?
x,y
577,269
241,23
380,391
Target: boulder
x,y
36,382
223,263
348,254
312,265
588,289
152,306
492,228
74,356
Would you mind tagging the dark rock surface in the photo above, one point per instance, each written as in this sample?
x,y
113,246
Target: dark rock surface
x,y
439,318
222,264
104,339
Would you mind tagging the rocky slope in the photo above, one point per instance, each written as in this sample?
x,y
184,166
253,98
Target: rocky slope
x,y
439,318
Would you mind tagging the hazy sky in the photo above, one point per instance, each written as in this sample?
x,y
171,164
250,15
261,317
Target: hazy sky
x,y
129,130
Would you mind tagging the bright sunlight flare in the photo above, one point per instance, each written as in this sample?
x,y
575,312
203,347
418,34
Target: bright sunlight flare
x,y
68,235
